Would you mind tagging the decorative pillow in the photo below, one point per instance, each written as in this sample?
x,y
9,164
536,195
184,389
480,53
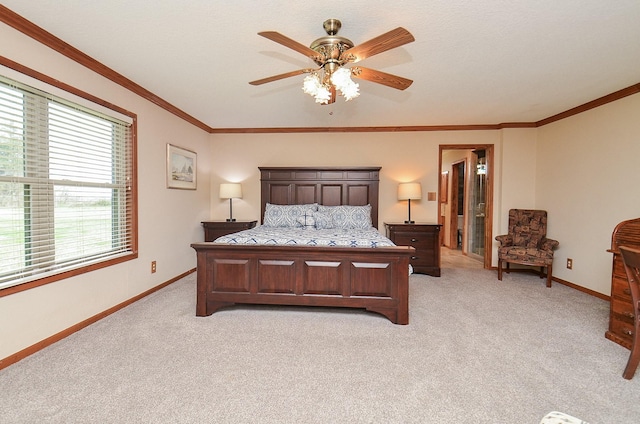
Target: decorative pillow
x,y
307,219
285,215
323,220
348,217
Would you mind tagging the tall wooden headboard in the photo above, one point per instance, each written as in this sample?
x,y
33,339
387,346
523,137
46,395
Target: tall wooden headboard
x,y
329,186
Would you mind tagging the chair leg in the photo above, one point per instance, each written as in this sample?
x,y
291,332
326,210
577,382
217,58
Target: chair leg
x,y
634,357
549,274
500,269
632,364
630,369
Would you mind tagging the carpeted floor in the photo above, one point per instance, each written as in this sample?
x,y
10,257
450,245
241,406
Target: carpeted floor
x,y
476,351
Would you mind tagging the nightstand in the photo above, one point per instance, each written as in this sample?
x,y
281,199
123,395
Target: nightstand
x,y
215,229
425,238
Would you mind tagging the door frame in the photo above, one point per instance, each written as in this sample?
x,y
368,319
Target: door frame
x,y
488,229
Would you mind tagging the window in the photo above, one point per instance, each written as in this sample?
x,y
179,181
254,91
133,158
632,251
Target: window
x,y
66,187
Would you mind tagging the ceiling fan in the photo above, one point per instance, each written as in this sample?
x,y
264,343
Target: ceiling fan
x,y
331,53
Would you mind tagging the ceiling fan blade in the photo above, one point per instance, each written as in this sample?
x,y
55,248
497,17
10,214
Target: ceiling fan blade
x,y
280,76
380,77
387,41
292,44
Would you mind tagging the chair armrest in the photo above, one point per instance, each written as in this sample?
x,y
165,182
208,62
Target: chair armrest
x,y
548,244
505,239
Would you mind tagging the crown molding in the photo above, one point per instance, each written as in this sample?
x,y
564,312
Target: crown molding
x,y
469,127
32,30
617,95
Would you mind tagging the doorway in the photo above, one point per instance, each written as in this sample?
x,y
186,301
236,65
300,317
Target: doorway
x,y
456,218
466,202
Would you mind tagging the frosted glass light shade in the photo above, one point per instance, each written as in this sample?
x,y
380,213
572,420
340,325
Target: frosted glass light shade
x,y
231,191
409,191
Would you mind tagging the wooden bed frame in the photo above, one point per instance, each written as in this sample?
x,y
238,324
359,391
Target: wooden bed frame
x,y
375,279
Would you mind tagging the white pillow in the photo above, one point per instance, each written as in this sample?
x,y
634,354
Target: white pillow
x,y
285,215
348,217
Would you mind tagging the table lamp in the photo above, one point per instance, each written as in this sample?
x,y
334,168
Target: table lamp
x,y
231,191
409,191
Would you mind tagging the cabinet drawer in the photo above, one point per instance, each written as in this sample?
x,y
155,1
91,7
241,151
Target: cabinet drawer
x,y
417,240
621,328
421,260
622,310
620,289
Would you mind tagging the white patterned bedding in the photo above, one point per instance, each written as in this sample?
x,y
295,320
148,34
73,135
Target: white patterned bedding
x,y
347,237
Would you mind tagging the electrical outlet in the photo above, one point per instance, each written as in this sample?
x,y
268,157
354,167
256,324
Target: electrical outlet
x,y
153,266
569,263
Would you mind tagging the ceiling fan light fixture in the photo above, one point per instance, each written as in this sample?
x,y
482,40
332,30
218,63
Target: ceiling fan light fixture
x,y
315,88
321,91
341,79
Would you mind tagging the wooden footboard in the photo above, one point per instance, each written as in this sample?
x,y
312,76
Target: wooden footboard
x,y
375,279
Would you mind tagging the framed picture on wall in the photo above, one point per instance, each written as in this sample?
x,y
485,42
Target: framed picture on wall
x,y
444,186
181,168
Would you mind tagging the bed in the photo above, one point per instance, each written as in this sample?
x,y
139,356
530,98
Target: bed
x,y
374,276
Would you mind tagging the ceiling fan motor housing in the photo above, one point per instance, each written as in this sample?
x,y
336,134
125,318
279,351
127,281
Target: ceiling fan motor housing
x,y
331,46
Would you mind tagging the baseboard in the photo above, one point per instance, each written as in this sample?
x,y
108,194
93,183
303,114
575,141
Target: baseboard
x,y
18,356
582,289
561,281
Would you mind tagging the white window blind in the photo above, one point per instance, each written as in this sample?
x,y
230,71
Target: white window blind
x,y
65,185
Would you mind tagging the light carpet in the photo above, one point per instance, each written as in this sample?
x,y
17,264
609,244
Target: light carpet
x,y
476,351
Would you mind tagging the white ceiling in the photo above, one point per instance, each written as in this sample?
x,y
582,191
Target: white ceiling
x,y
473,62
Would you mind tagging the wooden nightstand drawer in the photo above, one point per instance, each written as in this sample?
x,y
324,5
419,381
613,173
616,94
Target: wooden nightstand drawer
x,y
420,261
422,237
417,240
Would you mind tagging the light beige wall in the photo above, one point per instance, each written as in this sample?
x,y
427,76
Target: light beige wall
x,y
588,178
403,156
518,170
169,220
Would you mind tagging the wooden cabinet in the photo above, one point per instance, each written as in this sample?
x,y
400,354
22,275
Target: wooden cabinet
x,y
626,233
215,229
425,238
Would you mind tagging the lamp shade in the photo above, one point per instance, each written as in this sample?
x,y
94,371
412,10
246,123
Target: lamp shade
x,y
409,191
231,191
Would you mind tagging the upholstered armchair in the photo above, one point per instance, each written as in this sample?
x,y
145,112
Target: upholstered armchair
x,y
527,242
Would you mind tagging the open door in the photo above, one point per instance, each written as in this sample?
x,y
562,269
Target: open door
x,y
457,209
467,209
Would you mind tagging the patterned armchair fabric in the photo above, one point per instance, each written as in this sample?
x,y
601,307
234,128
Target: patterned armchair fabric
x,y
527,242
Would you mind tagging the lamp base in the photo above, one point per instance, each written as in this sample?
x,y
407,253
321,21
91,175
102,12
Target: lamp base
x,y
231,220
409,222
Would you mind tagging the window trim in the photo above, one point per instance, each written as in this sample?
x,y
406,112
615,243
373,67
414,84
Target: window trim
x,y
29,72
